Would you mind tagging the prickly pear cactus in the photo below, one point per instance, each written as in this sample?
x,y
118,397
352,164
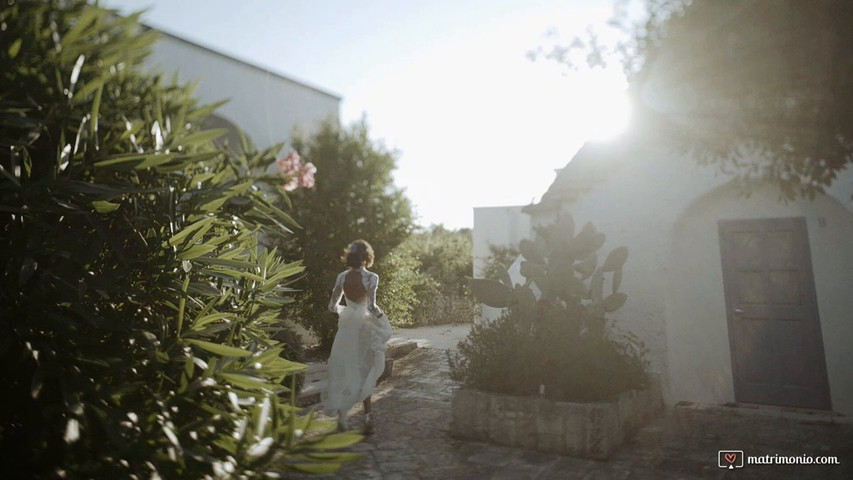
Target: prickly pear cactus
x,y
564,266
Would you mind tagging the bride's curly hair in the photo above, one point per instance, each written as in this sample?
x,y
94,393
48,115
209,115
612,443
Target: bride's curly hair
x,y
358,253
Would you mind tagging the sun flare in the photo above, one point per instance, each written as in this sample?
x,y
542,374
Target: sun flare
x,y
607,115
601,105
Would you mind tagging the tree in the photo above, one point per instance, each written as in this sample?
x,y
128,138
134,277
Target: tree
x,y
441,285
356,198
135,304
761,89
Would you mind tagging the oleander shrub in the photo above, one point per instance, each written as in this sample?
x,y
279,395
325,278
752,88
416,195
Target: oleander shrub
x,y
554,337
136,305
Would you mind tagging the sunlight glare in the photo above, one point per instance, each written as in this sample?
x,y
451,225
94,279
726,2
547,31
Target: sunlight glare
x,y
602,104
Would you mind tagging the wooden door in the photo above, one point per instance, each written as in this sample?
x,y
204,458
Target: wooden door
x,y
774,328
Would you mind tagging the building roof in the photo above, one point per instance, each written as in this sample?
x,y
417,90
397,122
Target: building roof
x,y
590,165
244,63
596,161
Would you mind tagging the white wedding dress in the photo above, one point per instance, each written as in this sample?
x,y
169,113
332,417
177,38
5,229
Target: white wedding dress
x,y
358,352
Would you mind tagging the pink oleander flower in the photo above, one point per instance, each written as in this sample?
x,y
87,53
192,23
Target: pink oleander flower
x,y
295,172
289,166
306,175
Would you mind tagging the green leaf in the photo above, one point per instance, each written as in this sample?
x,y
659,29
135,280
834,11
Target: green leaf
x,y
81,94
615,259
9,176
129,161
247,381
102,206
339,457
182,303
203,321
587,242
596,286
491,292
587,267
214,204
531,251
225,262
275,301
203,137
274,212
195,251
219,349
336,441
85,20
617,279
96,106
526,302
503,277
315,468
286,271
201,178
204,289
15,48
614,302
187,230
532,270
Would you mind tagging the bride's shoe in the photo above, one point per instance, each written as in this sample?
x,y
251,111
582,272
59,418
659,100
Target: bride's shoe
x,y
368,424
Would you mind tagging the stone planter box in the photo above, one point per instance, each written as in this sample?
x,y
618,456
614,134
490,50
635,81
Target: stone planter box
x,y
589,430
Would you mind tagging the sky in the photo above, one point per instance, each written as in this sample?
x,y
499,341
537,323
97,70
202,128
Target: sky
x,y
446,84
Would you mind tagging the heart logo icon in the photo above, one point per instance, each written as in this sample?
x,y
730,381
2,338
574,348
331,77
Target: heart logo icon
x,y
730,459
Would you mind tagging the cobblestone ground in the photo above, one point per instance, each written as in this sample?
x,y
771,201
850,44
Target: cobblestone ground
x,y
412,441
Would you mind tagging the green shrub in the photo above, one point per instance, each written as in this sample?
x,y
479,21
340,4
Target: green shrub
x,y
135,303
398,274
442,309
444,266
559,341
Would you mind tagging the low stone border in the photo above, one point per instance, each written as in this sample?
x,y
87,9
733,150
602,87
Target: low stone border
x,y
589,430
400,349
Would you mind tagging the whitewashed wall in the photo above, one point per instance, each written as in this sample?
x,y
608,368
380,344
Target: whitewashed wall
x,y
697,330
496,226
665,209
266,105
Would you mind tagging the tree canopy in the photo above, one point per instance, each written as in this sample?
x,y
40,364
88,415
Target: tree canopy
x,y
761,89
354,198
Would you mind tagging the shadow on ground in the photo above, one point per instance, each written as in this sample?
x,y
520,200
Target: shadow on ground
x,y
412,441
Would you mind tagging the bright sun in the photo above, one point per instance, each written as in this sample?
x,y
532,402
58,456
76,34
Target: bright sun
x,y
582,105
601,104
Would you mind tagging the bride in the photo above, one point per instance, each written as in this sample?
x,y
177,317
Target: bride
x,y
358,352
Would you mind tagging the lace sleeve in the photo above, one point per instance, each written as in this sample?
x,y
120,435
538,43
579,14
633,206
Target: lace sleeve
x,y
337,293
372,285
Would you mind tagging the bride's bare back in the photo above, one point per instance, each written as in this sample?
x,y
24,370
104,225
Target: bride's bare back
x,y
354,287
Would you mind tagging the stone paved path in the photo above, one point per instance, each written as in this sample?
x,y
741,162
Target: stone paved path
x,y
412,441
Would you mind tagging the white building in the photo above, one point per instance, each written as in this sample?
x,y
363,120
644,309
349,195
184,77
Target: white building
x,y
266,105
745,300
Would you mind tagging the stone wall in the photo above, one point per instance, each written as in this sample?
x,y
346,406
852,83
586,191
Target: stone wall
x,y
591,430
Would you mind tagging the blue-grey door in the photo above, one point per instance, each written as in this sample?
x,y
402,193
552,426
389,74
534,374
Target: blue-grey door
x,y
774,327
